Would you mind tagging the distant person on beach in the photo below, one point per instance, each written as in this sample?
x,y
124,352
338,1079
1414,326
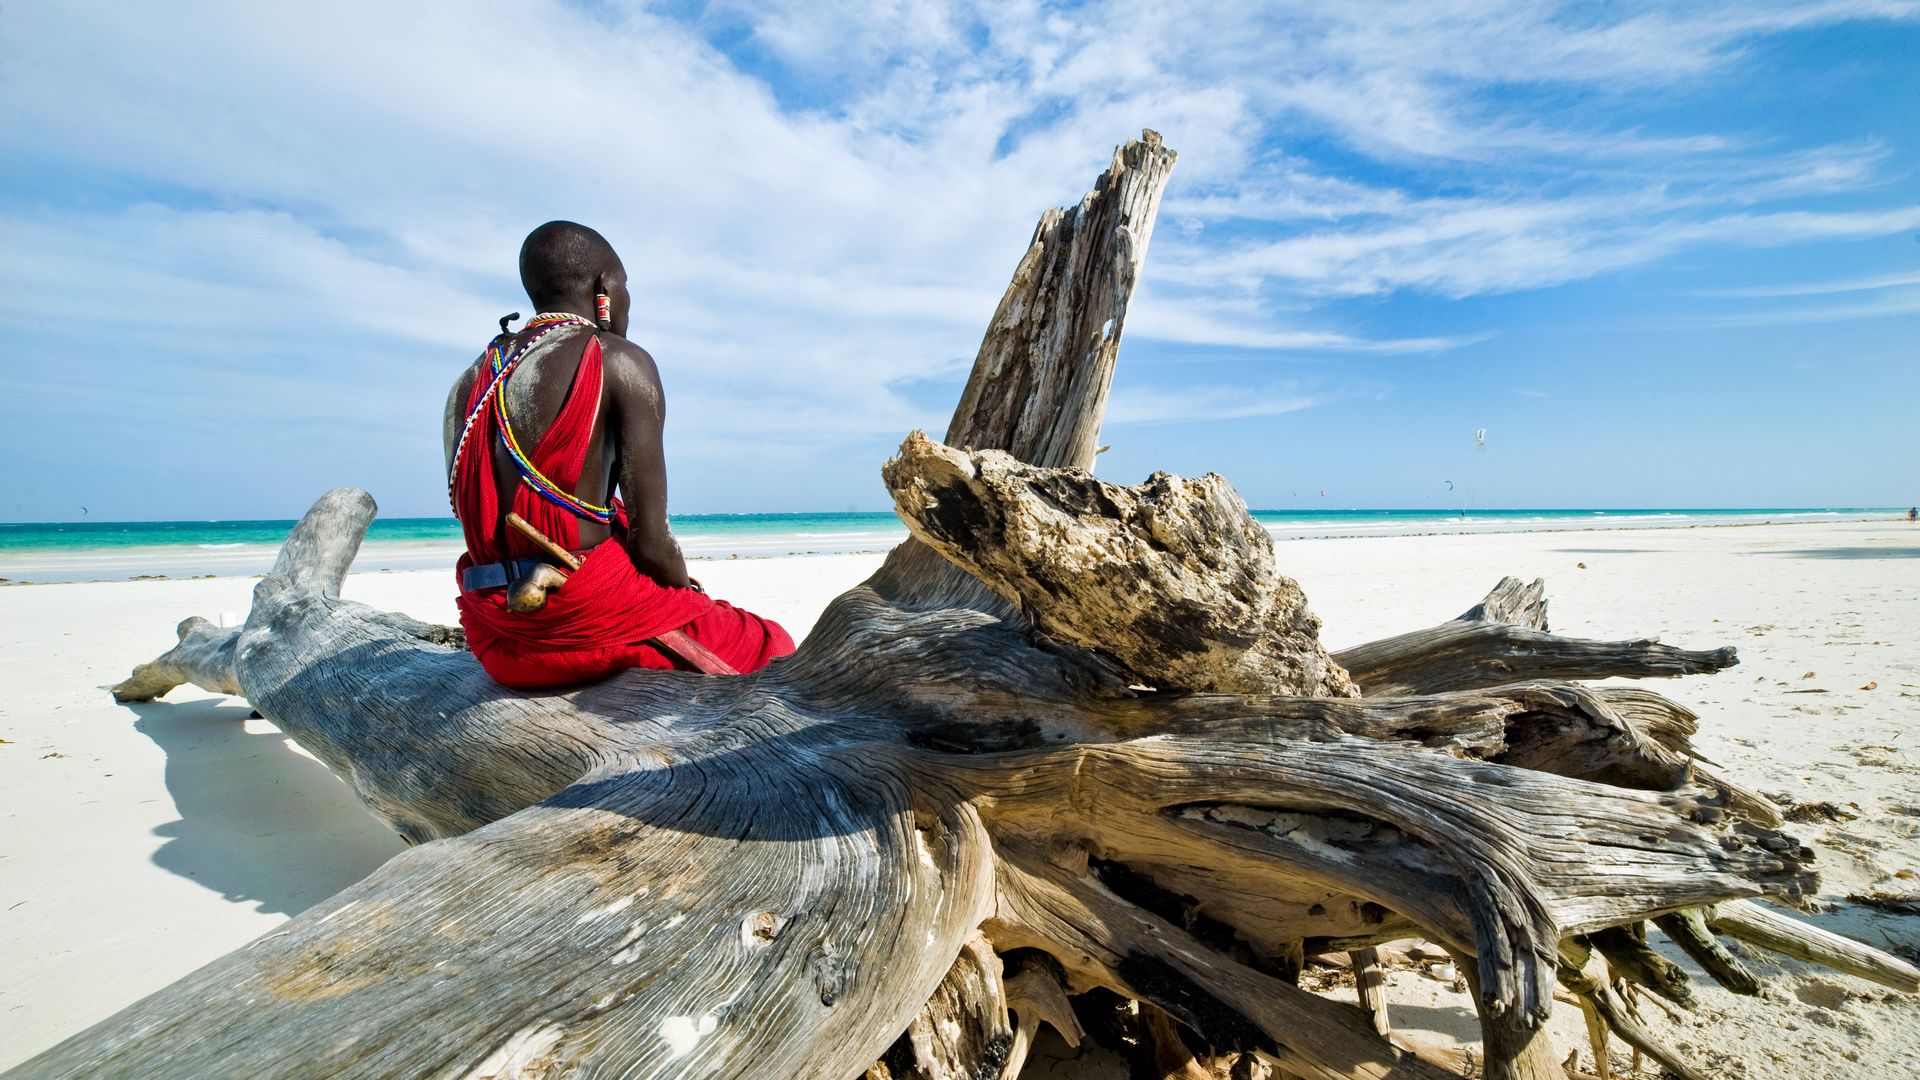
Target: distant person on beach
x,y
1913,514
549,424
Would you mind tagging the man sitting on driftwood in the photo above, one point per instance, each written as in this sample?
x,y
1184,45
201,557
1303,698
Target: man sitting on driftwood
x,y
547,425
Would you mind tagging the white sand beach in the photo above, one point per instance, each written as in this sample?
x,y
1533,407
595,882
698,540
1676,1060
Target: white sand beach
x,y
139,842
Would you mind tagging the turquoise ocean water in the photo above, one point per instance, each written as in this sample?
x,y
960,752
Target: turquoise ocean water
x,y
116,550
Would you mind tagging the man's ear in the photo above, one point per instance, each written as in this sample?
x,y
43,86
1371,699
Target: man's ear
x,y
603,284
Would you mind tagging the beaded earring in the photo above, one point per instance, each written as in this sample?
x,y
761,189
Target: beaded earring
x,y
603,310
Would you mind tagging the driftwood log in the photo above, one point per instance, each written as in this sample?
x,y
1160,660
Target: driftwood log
x,y
1073,756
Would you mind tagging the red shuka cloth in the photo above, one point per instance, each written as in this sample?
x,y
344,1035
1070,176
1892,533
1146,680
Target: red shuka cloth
x,y
600,621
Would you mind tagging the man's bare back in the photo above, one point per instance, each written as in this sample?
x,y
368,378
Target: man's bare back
x,y
570,268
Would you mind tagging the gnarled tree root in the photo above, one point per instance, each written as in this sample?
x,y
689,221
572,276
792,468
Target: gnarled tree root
x,y
900,849
1105,831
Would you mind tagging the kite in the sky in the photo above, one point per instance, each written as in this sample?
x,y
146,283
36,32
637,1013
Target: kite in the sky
x,y
1480,437
1449,485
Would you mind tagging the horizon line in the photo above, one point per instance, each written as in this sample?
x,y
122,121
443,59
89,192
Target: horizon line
x,y
890,513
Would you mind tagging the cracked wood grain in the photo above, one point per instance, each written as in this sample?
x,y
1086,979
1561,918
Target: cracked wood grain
x,y
827,867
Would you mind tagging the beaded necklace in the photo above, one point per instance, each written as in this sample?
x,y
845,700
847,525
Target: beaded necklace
x,y
502,363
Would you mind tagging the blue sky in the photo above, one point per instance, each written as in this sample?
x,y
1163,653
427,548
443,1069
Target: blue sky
x,y
1667,255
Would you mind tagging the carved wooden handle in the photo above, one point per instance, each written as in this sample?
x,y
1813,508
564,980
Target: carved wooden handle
x,y
564,557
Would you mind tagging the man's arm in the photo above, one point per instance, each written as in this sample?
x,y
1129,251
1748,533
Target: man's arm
x,y
456,415
640,413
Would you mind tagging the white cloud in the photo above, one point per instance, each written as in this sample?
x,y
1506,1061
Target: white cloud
x,y
436,160
1881,296
244,278
1206,403
1893,303
1201,321
1822,288
333,194
1466,247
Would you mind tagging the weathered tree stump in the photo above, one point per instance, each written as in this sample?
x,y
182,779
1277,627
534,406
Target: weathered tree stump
x,y
1072,738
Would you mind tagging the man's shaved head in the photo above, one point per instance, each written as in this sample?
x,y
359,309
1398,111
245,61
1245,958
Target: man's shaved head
x,y
563,261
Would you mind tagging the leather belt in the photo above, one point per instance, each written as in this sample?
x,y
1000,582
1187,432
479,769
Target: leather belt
x,y
498,575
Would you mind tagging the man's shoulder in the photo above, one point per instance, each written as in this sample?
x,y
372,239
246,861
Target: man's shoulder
x,y
628,363
463,383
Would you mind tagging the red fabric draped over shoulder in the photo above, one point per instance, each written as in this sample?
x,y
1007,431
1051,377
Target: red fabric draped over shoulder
x,y
560,454
599,622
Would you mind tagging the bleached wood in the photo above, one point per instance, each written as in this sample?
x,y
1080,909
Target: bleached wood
x,y
1688,929
1759,925
1207,608
791,872
1370,984
203,657
1515,1049
1513,602
1629,957
1467,655
1035,996
963,1031
1039,383
1588,977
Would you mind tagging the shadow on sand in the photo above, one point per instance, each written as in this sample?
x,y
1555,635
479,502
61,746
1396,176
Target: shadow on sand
x,y
260,822
1458,1022
1849,553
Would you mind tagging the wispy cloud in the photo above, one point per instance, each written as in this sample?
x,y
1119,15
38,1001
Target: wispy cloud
x,y
1889,296
820,205
1889,303
1821,288
1465,247
1241,324
1204,403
